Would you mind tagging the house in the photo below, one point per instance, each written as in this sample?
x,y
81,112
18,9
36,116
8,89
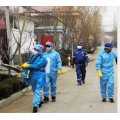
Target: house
x,y
38,26
45,26
28,37
3,38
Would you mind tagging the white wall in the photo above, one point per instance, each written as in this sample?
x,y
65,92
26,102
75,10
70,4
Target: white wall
x,y
27,35
21,9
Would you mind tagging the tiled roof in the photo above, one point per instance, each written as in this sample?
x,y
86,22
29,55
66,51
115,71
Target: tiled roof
x,y
43,8
50,8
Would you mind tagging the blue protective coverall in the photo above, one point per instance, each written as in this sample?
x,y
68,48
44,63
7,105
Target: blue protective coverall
x,y
104,62
51,78
80,57
37,76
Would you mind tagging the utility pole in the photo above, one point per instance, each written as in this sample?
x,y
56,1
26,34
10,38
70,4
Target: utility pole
x,y
55,45
8,33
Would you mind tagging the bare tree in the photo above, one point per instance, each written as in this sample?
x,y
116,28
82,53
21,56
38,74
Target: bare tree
x,y
19,40
89,22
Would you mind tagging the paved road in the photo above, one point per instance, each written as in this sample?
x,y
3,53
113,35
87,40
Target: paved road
x,y
70,97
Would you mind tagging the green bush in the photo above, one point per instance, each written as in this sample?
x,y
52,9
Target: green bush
x,y
5,90
22,85
10,85
3,76
14,82
90,51
99,44
64,61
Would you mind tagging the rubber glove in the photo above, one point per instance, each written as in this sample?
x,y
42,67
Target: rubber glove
x,y
99,73
25,65
19,75
59,72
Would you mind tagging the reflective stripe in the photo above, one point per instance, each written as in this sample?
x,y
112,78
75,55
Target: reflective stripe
x,y
74,56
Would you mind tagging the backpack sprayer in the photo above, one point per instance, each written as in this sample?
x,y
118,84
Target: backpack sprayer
x,y
23,73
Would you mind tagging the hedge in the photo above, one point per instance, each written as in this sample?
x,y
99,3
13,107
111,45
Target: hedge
x,y
10,85
64,60
90,51
99,44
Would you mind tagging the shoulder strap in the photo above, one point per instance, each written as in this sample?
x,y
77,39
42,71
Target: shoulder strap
x,y
35,58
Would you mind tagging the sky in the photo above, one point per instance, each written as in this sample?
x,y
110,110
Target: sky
x,y
108,17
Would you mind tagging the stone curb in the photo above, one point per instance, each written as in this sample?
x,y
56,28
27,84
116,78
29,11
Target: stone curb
x,y
13,97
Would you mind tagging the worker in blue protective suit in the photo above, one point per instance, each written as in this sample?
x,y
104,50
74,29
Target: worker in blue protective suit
x,y
80,59
55,70
37,76
104,66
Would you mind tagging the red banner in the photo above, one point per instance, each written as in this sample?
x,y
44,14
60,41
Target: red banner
x,y
45,39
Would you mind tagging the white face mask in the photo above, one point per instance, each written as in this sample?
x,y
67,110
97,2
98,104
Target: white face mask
x,y
35,52
48,49
79,47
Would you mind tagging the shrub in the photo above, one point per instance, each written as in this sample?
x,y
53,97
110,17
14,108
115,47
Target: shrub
x,y
10,85
14,82
5,90
99,44
64,60
3,76
90,51
22,85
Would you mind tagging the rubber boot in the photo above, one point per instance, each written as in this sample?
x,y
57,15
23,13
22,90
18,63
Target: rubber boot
x,y
46,99
104,100
111,100
80,82
34,109
53,99
40,103
83,80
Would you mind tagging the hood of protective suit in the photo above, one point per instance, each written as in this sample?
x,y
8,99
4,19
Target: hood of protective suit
x,y
39,48
102,49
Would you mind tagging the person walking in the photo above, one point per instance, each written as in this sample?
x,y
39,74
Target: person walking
x,y
104,66
55,70
37,76
80,59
